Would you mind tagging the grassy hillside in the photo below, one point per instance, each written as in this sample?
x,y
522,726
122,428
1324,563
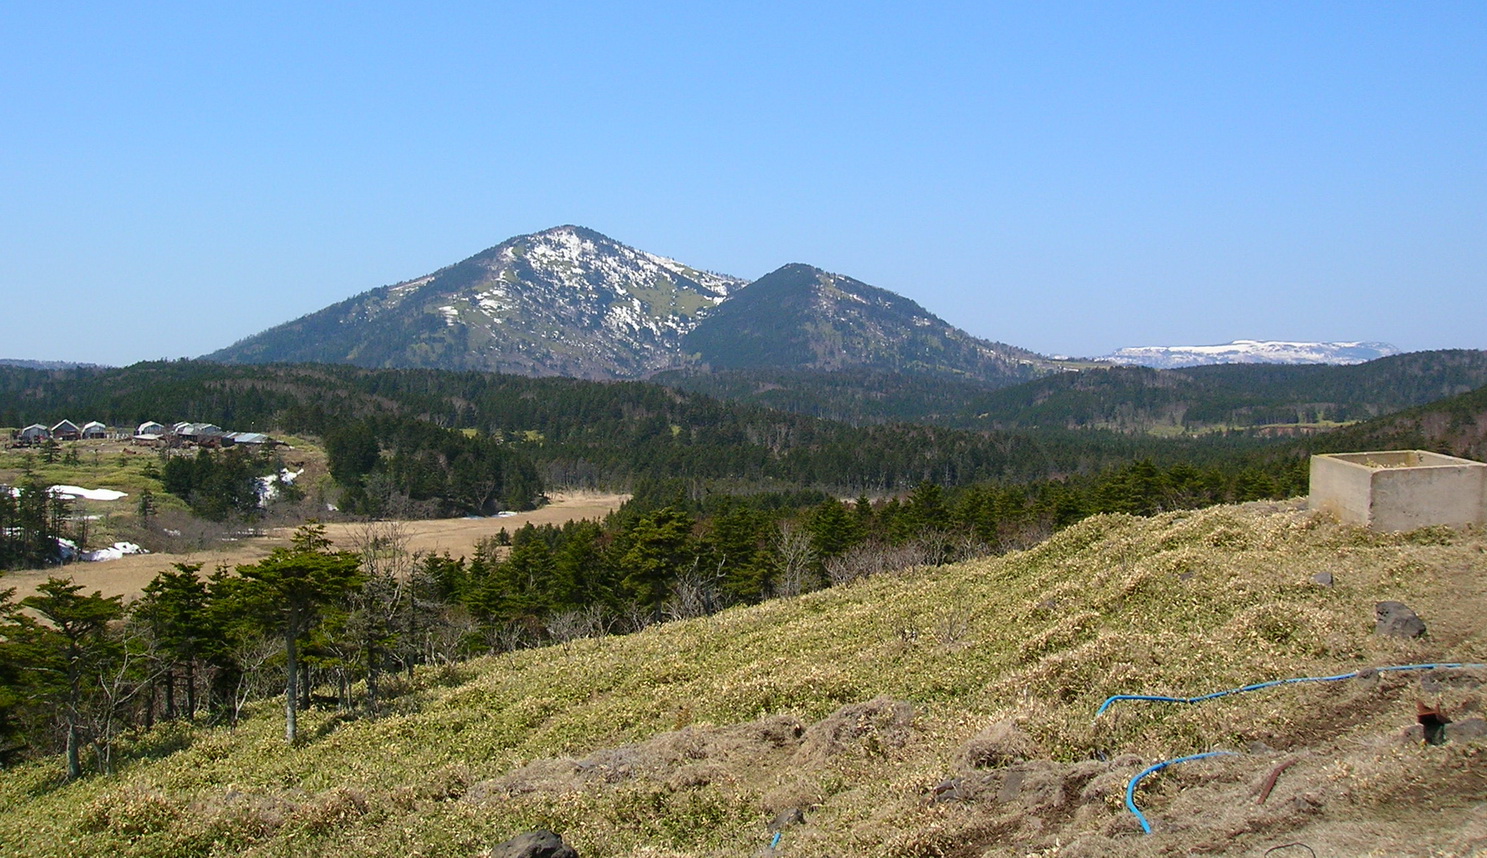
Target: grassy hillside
x,y
948,711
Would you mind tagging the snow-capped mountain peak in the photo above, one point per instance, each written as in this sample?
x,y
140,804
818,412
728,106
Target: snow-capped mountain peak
x,y
1251,351
564,301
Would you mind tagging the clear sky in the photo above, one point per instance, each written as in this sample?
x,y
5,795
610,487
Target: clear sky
x,y
1068,177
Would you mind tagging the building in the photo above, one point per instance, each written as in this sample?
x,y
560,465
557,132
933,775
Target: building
x,y
95,430
252,439
33,434
66,431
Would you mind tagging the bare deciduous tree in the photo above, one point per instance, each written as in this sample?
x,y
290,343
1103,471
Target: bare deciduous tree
x,y
251,654
795,561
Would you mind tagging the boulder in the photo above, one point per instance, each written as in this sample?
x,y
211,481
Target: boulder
x,y
1396,620
534,844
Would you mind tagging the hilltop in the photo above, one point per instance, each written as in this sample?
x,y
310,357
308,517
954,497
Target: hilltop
x,y
945,711
803,318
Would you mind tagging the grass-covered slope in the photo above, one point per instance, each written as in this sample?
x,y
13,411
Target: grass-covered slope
x,y
944,712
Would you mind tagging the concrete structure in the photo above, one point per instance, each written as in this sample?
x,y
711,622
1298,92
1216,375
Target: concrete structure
x,y
1400,489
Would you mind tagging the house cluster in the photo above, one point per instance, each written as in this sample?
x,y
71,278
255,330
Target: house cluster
x,y
152,434
149,433
36,433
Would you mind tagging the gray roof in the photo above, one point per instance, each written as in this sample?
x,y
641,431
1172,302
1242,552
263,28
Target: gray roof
x,y
248,437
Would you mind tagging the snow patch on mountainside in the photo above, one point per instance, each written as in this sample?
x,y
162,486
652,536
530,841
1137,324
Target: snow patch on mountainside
x,y
1251,351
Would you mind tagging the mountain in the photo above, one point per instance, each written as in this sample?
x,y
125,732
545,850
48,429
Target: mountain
x,y
565,301
571,302
1250,351
802,318
45,364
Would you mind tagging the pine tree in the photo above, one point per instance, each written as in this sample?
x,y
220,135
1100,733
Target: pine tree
x,y
661,550
67,652
291,587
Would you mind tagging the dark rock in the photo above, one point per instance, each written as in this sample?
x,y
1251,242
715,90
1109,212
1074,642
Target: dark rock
x,y
1322,579
1396,620
534,844
945,791
786,818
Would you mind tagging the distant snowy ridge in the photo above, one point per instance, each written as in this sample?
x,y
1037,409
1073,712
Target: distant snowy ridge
x,y
1251,351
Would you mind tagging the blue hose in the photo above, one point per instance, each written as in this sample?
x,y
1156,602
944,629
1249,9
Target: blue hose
x,y
1131,787
1274,682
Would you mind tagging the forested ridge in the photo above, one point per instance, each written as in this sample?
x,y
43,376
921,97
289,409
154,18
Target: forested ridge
x,y
1127,399
581,433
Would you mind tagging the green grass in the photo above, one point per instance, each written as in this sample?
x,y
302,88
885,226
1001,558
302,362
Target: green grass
x,y
1179,604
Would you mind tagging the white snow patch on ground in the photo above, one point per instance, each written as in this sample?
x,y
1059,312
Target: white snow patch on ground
x,y
113,552
268,487
87,494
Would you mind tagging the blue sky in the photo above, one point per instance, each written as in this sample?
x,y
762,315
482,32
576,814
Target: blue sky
x,y
1068,177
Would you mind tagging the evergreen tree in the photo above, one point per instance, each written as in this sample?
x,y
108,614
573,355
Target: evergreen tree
x,y
660,550
174,611
834,530
66,653
291,587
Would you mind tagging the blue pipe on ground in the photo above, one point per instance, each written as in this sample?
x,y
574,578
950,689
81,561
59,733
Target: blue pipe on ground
x,y
1274,682
1131,787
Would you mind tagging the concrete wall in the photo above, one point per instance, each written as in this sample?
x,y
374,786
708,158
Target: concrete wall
x,y
1400,489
